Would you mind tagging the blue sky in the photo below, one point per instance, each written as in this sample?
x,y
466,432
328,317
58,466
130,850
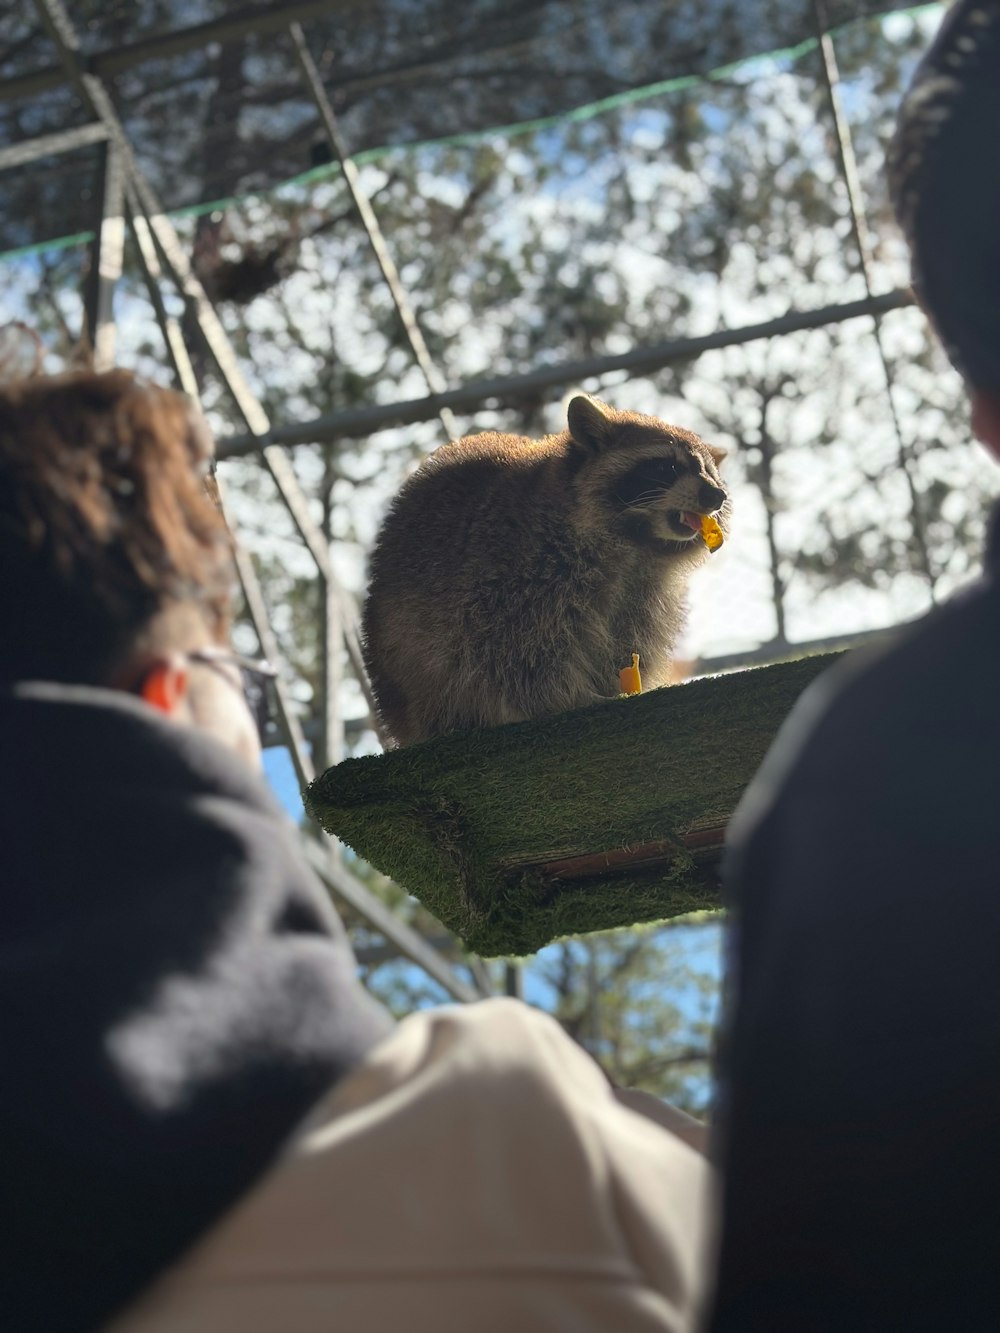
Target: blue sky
x,y
281,778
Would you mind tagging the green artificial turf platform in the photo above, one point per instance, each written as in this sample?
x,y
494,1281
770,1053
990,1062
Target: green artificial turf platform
x,y
602,817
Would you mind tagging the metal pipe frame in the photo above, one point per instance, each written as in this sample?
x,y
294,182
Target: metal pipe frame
x,y
107,251
51,145
216,340
231,27
186,379
359,898
387,266
357,423
862,239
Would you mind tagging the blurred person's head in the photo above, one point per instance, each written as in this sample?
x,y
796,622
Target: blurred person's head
x,y
944,178
115,565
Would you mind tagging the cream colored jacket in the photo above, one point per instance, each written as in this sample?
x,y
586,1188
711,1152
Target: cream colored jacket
x,y
476,1172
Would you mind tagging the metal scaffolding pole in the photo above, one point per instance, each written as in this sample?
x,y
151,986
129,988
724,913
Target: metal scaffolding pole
x,y
106,253
355,895
149,266
387,266
220,349
862,239
230,27
331,731
356,423
51,145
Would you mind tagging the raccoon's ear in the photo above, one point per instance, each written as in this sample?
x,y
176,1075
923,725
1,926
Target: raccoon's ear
x,y
589,421
717,454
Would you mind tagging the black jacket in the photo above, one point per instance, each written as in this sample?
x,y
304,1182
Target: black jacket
x,y
860,1070
175,994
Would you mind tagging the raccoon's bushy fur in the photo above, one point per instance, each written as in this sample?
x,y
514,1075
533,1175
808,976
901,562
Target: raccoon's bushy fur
x,y
513,577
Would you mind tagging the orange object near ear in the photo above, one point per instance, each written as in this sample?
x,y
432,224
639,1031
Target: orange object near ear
x,y
629,678
164,686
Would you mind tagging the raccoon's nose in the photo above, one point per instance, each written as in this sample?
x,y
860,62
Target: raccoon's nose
x,y
711,497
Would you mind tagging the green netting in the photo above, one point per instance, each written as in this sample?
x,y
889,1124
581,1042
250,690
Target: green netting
x,y
230,119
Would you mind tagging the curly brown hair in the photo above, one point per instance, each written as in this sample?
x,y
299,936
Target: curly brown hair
x,y
105,522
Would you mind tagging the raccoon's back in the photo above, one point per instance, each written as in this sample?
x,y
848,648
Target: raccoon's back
x,y
474,512
452,560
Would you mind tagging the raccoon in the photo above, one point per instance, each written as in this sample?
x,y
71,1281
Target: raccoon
x,y
513,577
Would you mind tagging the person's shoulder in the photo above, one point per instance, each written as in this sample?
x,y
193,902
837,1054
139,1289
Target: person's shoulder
x,y
500,1054
956,642
477,1155
933,680
889,711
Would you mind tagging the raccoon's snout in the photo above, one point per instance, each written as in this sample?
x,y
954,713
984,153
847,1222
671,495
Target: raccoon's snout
x,y
711,497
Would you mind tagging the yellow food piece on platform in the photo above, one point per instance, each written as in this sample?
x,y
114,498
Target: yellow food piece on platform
x,y
711,532
629,678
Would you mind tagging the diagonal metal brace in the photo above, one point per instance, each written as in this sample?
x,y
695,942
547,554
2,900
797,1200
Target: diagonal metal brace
x,y
376,239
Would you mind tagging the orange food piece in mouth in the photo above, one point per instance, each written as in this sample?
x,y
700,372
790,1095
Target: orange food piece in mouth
x,y
711,532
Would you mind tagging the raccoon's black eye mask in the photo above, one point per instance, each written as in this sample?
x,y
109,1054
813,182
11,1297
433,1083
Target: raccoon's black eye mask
x,y
647,480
